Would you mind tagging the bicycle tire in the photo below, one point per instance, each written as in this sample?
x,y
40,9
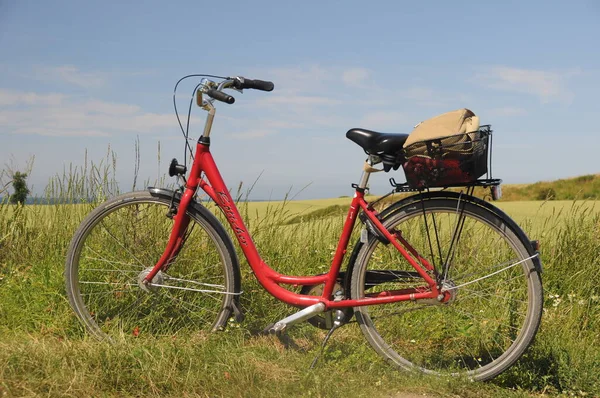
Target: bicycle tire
x,y
121,240
487,326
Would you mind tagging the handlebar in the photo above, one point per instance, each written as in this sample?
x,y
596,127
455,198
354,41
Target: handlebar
x,y
220,96
214,90
238,83
241,83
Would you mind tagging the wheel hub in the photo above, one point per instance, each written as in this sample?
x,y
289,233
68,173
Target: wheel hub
x,y
449,287
148,287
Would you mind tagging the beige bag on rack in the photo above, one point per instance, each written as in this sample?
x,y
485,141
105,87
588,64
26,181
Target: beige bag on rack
x,y
462,125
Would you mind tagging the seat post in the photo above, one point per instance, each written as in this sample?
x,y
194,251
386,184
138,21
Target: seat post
x,y
368,169
364,179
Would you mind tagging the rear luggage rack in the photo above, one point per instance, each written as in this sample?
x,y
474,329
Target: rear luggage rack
x,y
406,187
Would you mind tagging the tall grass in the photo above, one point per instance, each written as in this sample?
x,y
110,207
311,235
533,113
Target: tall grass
x,y
45,351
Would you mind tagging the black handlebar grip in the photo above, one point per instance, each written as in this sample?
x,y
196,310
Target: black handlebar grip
x,y
258,85
220,96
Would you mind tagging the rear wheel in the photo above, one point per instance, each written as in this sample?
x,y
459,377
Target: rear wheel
x,y
118,244
495,288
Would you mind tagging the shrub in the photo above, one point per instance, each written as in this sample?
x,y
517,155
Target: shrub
x,y
546,194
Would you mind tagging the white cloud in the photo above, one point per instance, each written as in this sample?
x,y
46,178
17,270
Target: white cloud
x,y
61,115
72,75
279,124
355,77
428,97
319,98
506,111
308,97
515,146
385,120
12,97
53,132
547,85
110,108
300,100
423,96
316,78
254,133
299,79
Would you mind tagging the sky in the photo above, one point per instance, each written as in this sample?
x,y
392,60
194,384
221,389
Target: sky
x,y
81,78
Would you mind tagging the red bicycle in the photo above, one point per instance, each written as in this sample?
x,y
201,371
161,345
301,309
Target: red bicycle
x,y
440,281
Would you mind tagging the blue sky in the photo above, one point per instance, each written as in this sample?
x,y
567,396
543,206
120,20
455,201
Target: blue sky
x,y
80,75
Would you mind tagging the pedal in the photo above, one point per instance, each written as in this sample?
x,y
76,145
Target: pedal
x,y
279,327
275,329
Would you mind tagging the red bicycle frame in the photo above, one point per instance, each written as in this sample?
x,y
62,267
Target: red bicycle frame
x,y
215,188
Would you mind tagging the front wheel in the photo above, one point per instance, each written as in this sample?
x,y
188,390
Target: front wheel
x,y
118,244
495,289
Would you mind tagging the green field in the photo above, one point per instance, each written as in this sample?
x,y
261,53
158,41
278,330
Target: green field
x,y
519,210
45,351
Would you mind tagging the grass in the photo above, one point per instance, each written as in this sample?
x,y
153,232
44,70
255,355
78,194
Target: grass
x,y
581,188
45,351
221,365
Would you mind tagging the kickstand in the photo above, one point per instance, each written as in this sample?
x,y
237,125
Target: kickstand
x,y
338,321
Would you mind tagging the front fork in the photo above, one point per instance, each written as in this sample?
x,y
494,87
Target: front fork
x,y
177,236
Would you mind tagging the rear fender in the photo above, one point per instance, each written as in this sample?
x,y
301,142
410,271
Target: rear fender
x,y
399,205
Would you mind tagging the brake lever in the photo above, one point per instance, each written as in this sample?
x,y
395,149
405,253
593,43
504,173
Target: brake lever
x,y
239,80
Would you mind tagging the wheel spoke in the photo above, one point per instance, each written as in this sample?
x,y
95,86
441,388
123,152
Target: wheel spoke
x,y
128,265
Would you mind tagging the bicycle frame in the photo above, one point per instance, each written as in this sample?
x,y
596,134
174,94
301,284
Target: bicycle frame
x,y
215,188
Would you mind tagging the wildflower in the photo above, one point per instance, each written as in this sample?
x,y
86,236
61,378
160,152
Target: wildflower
x,y
556,302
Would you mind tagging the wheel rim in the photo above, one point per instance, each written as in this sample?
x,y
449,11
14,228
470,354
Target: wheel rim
x,y
483,325
118,249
